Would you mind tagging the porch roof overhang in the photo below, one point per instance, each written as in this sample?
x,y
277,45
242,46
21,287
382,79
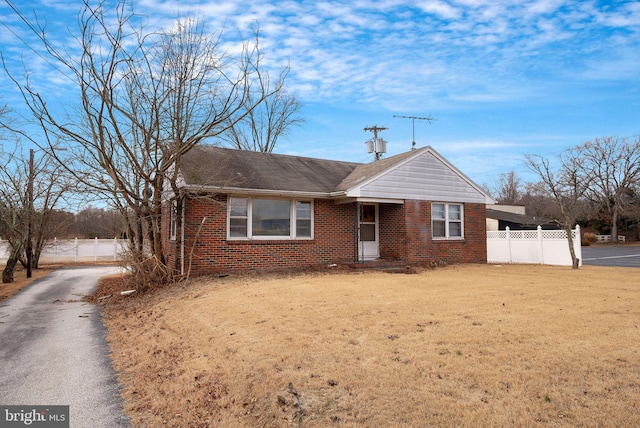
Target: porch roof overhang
x,y
347,199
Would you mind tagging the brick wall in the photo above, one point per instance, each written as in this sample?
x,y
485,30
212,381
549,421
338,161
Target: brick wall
x,y
421,248
334,228
405,234
392,232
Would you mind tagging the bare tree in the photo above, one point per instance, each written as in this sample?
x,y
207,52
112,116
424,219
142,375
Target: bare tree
x,y
30,189
261,128
614,168
566,185
13,211
537,201
146,99
509,188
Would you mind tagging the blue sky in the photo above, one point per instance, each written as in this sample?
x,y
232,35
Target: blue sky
x,y
501,78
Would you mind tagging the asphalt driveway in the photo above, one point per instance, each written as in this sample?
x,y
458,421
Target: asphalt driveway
x,y
53,350
611,255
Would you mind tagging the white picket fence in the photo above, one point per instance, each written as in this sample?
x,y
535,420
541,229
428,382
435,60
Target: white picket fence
x,y
539,246
76,250
607,238
546,247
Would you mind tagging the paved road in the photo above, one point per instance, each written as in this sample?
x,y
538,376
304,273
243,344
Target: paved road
x,y
612,255
53,350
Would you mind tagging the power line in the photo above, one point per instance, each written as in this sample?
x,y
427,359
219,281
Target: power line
x,y
38,33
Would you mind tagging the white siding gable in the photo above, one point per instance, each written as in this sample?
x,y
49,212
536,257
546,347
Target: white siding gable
x,y
425,176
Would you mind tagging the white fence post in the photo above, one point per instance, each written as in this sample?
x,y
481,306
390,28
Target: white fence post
x,y
577,245
509,242
540,243
75,260
95,249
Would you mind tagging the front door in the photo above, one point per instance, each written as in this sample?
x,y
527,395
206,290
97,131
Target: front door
x,y
368,247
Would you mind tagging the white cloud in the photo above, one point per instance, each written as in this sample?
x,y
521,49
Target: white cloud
x,y
401,55
439,8
544,6
628,15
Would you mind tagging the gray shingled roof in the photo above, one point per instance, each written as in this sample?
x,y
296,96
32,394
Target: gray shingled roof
x,y
226,168
524,220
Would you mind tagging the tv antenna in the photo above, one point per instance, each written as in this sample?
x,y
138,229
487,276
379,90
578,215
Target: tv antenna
x,y
377,145
413,126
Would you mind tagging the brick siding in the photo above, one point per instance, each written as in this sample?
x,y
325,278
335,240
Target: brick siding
x,y
334,240
405,234
421,248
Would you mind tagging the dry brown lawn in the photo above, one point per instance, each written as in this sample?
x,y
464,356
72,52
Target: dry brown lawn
x,y
464,346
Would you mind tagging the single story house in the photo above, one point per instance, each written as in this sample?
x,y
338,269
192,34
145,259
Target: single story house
x,y
253,210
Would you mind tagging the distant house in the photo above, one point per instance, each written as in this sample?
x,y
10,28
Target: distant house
x,y
499,217
252,210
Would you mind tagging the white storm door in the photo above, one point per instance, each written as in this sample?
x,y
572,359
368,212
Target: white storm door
x,y
368,245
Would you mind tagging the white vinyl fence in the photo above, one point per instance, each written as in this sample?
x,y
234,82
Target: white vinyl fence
x,y
546,247
76,250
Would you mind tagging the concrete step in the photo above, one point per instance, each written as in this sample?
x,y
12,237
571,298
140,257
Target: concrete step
x,y
390,266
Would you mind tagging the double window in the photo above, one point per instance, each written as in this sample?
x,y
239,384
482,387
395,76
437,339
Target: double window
x,y
447,221
262,218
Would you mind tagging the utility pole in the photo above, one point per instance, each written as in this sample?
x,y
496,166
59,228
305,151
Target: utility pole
x,y
413,126
378,145
29,248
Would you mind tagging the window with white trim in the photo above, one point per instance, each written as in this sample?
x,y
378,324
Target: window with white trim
x,y
238,215
303,219
447,221
269,218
